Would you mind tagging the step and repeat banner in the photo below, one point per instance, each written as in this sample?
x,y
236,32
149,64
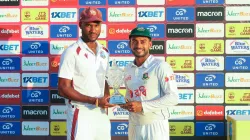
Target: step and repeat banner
x,y
205,41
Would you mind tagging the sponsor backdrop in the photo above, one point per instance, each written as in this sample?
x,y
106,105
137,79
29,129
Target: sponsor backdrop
x,y
205,41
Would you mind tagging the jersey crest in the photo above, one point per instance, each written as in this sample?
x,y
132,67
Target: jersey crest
x,y
145,76
103,55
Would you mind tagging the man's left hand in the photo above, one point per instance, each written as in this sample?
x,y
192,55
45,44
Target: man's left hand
x,y
134,106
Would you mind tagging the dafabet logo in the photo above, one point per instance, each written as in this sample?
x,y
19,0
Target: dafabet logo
x,y
209,112
10,96
10,32
120,31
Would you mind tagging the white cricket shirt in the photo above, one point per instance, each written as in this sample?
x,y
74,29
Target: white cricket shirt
x,y
153,83
86,70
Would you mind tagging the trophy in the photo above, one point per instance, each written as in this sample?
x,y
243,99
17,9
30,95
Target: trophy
x,y
115,78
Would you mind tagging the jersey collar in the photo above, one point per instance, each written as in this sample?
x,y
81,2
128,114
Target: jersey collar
x,y
83,45
146,63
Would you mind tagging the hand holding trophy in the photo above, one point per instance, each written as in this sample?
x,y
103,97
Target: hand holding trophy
x,y
115,78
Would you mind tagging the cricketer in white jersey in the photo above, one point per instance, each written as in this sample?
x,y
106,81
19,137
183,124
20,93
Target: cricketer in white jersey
x,y
81,81
151,88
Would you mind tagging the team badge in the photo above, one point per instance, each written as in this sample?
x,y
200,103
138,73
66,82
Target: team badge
x,y
145,76
140,29
103,55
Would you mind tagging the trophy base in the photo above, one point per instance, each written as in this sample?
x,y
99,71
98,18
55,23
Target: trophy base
x,y
117,99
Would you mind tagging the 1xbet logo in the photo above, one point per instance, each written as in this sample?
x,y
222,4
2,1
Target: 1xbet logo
x,y
63,14
10,47
39,80
35,79
151,13
5,47
238,112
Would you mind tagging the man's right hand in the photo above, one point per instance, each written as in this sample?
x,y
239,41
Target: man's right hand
x,y
103,102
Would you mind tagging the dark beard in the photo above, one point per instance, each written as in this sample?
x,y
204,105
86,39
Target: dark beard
x,y
146,53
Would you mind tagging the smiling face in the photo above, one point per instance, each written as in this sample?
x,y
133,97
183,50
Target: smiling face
x,y
91,31
140,46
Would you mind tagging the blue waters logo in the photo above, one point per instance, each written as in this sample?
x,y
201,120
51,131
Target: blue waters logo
x,y
210,80
35,47
209,129
180,14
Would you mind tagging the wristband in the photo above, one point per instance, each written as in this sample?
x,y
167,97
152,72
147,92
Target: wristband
x,y
96,102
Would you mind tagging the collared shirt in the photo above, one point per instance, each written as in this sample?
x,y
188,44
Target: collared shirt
x,y
86,69
153,84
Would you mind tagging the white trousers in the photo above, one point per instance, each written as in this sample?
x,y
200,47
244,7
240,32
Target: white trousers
x,y
158,130
87,124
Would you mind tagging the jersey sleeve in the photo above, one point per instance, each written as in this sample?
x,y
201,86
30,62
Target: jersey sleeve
x,y
67,64
168,90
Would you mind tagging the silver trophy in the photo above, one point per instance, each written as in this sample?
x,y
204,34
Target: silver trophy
x,y
115,78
